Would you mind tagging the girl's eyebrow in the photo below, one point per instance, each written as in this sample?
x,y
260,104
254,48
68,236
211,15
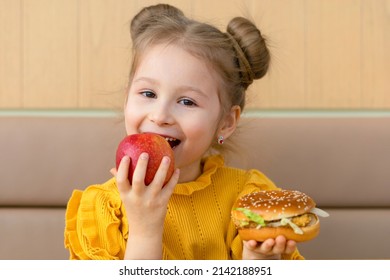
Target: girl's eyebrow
x,y
145,79
192,89
183,88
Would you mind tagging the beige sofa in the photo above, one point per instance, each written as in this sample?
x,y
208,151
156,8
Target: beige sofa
x,y
343,162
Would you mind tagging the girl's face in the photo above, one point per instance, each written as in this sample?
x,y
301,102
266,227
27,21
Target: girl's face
x,y
174,94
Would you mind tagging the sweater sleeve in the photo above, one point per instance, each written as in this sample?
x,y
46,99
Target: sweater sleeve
x,y
95,227
256,181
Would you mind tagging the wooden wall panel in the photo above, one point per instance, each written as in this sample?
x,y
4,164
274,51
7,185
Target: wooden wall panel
x,y
216,14
50,53
184,5
282,22
75,54
104,52
10,54
375,48
332,54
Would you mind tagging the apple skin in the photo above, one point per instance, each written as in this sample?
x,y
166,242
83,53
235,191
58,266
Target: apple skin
x,y
153,144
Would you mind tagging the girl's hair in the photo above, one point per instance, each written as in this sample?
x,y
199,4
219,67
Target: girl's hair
x,y
238,56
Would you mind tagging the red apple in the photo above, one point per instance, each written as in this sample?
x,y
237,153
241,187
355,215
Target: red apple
x,y
155,145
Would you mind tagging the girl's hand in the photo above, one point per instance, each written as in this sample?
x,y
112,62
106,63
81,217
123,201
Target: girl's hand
x,y
146,206
270,249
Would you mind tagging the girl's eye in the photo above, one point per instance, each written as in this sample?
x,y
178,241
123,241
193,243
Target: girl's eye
x,y
148,94
187,102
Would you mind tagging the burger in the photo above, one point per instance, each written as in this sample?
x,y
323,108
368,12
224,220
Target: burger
x,y
267,214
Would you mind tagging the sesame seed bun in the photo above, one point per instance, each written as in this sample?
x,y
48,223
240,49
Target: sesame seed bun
x,y
273,206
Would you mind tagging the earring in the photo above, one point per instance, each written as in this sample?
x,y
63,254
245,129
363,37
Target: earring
x,y
221,140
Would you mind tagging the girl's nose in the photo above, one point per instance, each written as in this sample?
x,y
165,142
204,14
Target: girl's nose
x,y
161,116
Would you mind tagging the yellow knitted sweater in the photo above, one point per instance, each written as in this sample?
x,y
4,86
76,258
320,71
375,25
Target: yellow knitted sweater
x,y
197,225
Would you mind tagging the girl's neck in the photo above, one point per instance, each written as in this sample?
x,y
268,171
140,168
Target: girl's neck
x,y
191,172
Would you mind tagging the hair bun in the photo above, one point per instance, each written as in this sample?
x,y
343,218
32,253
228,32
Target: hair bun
x,y
252,52
150,14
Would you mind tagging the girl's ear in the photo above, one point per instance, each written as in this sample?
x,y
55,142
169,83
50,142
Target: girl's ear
x,y
229,122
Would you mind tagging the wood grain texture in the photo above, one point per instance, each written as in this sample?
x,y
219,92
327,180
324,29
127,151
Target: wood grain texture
x,y
73,54
10,54
50,53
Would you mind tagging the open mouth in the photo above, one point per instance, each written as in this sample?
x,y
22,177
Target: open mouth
x,y
173,142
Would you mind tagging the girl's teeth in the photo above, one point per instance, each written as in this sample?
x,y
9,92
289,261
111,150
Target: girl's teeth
x,y
173,142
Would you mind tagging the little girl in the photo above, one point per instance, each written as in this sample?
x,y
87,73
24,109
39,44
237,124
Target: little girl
x,y
187,83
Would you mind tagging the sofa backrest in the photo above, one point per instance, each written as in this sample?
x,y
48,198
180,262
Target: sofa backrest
x,y
342,162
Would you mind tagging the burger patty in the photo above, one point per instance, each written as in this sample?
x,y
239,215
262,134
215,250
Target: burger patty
x,y
301,221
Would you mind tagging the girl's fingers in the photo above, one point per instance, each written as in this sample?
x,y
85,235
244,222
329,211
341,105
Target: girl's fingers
x,y
291,247
113,171
267,246
280,245
161,174
251,244
270,248
170,186
122,175
138,183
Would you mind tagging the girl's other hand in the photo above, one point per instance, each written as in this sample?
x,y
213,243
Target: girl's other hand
x,y
270,249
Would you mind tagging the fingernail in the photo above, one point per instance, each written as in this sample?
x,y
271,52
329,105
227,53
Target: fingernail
x,y
166,160
144,156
